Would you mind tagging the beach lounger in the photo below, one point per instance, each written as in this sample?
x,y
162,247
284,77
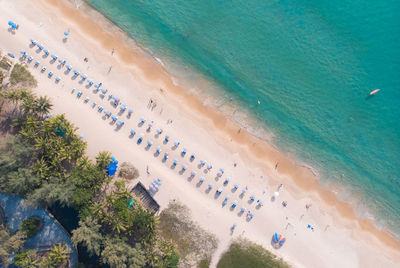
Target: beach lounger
x,y
83,76
33,42
55,57
227,180
90,82
46,51
142,119
122,107
193,174
79,94
114,118
104,91
227,197
158,149
11,55
166,138
243,209
202,162
76,72
120,123
175,162
98,85
87,100
159,131
58,79
176,143
210,186
193,156
40,46
202,179
149,143
133,132
50,74
73,90
30,59
36,64
130,111
252,198
219,191
236,186
234,204
94,104
184,167
209,166
184,151
166,156
44,68
69,67
139,141
100,108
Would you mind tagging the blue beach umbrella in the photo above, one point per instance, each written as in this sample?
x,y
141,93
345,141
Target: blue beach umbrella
x,y
66,33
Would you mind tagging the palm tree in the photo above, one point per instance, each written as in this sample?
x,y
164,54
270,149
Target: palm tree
x,y
103,159
59,254
42,105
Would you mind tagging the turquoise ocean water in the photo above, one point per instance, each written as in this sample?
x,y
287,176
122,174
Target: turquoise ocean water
x,y
311,64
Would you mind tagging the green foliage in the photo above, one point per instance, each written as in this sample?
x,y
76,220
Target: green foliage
x,y
1,78
117,253
50,193
244,253
88,234
9,245
26,258
58,255
128,171
31,226
5,64
193,243
20,74
87,179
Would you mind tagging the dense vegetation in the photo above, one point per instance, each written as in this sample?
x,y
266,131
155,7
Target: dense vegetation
x,y
244,253
31,226
42,159
195,245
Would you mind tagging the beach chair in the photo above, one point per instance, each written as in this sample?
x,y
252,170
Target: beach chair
x,y
36,64
234,204
83,76
193,156
122,107
236,186
202,179
227,180
33,42
158,150
139,141
46,51
202,162
40,46
120,123
184,167
114,118
242,209
69,67
76,72
166,139
176,143
50,74
130,111
219,191
73,90
98,85
209,166
252,197
44,68
94,104
165,156
58,79
87,100
210,186
193,174
79,94
159,131
90,82
184,151
133,132
55,57
142,120
30,59
149,143
100,108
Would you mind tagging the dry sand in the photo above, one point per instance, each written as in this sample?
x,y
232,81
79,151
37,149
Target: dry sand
x,y
339,238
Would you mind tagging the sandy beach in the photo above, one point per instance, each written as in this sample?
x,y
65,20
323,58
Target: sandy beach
x,y
339,238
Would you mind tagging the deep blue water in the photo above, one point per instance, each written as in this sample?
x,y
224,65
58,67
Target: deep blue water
x,y
310,63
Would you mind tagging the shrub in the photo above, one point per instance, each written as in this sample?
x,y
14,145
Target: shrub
x,y
31,226
194,244
128,171
20,74
5,64
244,253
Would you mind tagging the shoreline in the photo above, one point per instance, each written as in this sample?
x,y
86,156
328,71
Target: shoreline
x,y
254,152
344,208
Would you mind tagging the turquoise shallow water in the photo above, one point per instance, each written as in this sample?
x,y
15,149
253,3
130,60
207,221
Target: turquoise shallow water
x,y
311,64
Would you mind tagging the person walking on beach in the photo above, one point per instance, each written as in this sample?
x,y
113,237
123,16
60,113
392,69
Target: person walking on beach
x,y
112,52
109,70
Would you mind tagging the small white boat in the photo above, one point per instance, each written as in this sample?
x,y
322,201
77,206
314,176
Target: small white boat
x,y
373,92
